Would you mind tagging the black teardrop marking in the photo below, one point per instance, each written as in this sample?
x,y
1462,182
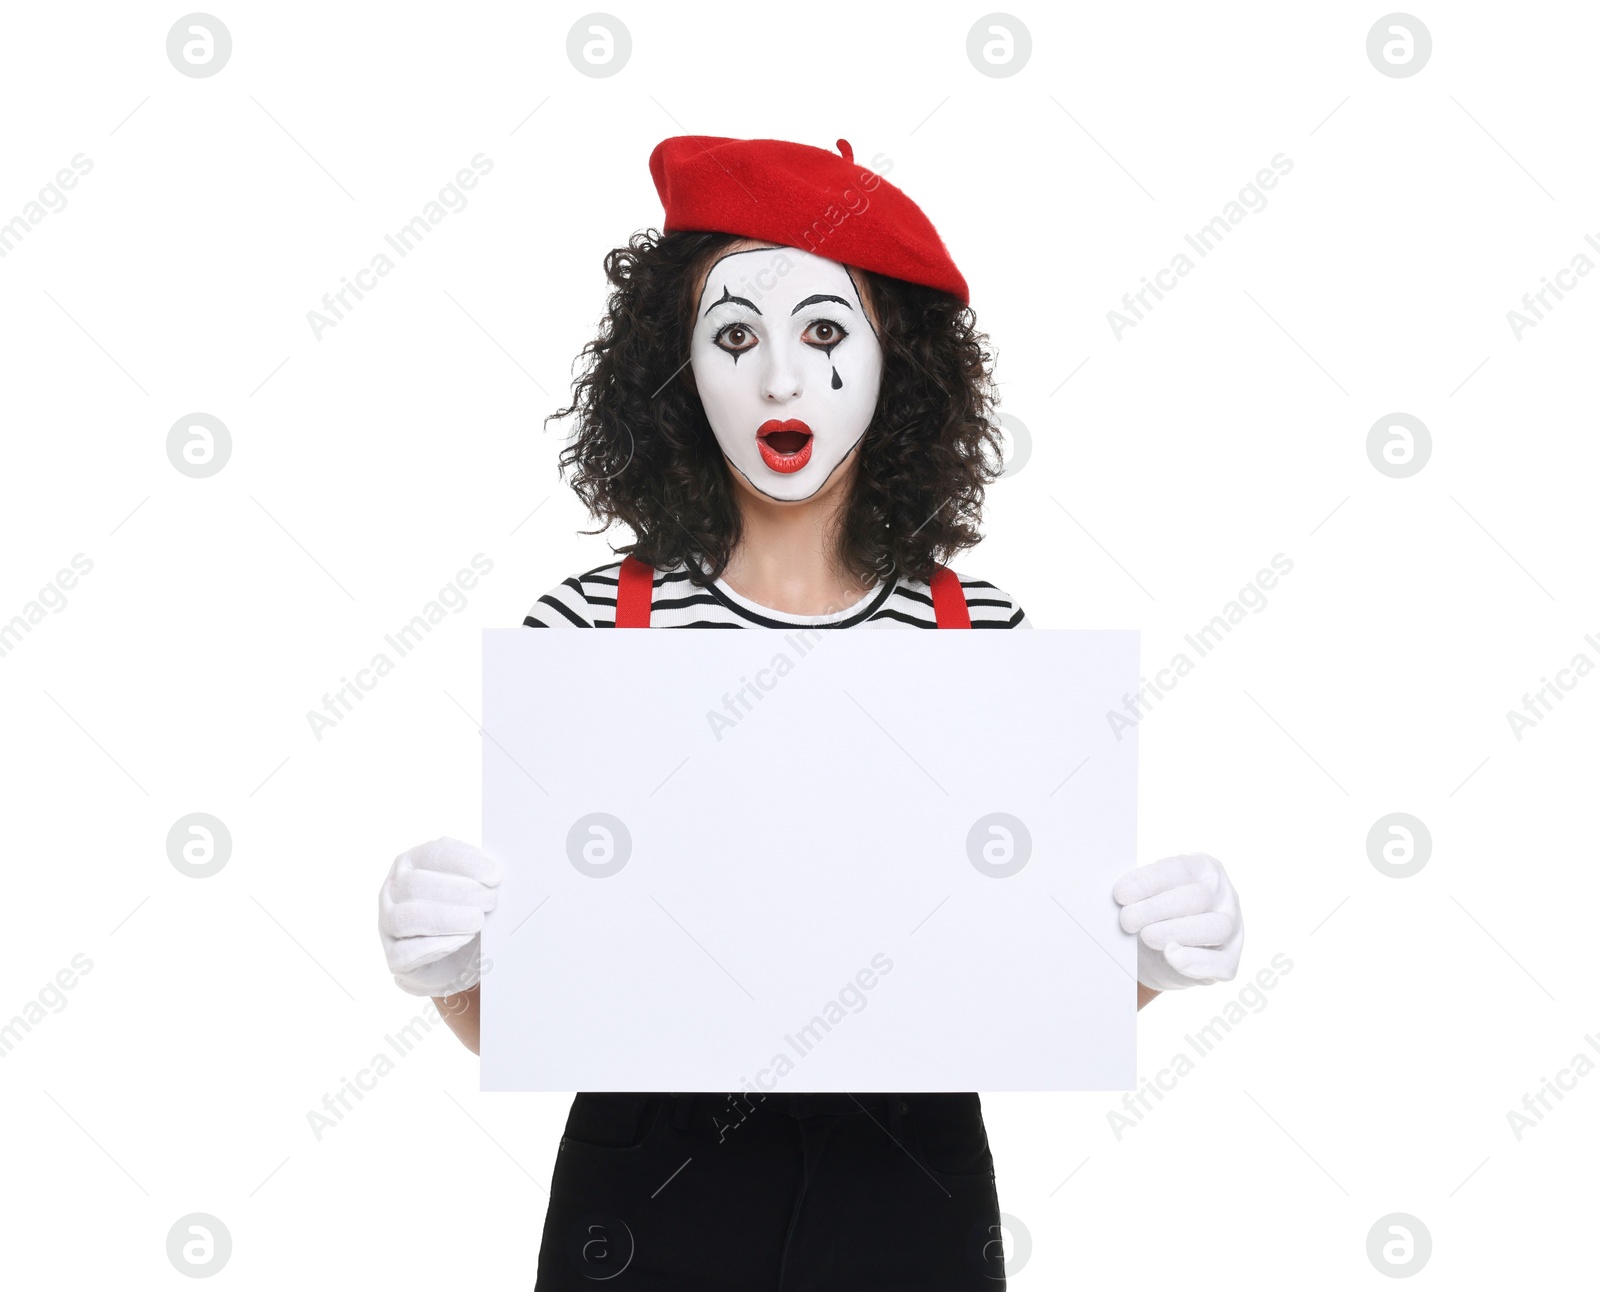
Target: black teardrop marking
x,y
836,382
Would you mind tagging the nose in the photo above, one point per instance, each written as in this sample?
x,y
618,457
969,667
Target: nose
x,y
781,380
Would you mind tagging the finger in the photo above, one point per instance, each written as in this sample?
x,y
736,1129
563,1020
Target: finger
x,y
453,857
449,975
1202,964
428,919
1146,881
410,954
1208,929
1187,899
436,886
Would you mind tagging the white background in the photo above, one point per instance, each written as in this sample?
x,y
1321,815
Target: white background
x,y
370,465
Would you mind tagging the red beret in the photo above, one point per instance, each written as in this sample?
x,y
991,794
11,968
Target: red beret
x,y
798,196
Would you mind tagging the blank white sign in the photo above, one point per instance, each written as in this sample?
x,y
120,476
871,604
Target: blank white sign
x,y
808,861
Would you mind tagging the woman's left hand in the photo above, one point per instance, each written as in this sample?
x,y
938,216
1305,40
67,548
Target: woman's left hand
x,y
1187,917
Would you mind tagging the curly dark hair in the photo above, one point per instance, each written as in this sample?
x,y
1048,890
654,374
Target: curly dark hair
x,y
643,453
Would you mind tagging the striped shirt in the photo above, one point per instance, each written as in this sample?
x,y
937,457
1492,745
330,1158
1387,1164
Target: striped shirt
x,y
590,601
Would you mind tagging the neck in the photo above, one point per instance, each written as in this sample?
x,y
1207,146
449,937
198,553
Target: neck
x,y
787,558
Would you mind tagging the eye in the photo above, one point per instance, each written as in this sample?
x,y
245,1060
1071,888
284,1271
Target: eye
x,y
735,338
823,335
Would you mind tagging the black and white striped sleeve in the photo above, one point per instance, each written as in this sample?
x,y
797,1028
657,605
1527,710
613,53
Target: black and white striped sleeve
x,y
910,605
583,601
991,608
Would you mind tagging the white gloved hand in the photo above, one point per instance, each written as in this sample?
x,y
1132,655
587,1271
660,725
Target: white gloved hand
x,y
1187,917
430,913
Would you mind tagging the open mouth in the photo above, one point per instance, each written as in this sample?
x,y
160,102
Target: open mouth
x,y
785,446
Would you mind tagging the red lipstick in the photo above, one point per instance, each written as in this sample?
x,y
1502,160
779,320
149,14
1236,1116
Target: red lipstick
x,y
785,446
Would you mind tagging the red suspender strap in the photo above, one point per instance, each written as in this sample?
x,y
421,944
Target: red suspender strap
x,y
635,583
949,601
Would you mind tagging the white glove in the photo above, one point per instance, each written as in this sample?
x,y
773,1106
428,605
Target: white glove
x,y
430,913
1187,917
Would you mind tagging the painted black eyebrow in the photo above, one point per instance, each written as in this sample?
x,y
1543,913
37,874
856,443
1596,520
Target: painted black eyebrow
x,y
812,300
726,299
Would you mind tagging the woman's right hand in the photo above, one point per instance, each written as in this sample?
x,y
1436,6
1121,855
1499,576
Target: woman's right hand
x,y
430,914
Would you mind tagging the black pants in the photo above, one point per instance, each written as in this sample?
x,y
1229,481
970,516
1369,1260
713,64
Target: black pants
x,y
787,1193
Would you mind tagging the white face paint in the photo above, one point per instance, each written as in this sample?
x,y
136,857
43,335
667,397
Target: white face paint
x,y
787,365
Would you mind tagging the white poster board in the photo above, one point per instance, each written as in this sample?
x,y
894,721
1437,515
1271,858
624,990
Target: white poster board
x,y
791,861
